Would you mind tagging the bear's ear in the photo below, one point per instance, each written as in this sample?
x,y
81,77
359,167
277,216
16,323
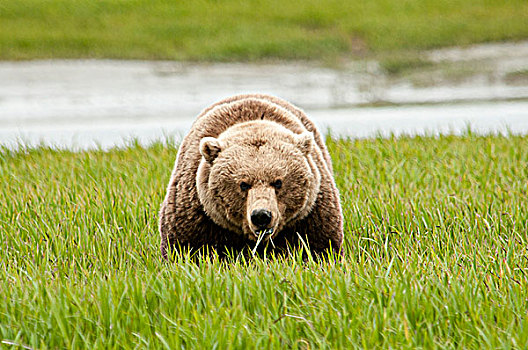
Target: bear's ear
x,y
304,142
210,148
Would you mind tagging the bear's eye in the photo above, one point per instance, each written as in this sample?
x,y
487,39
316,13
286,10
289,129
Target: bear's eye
x,y
244,186
277,184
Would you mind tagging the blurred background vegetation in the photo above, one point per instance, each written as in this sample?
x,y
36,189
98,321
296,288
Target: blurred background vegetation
x,y
253,30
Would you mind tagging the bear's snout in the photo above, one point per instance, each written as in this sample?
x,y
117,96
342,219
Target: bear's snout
x,y
262,211
261,218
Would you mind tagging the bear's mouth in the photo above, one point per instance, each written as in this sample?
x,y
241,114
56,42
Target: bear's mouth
x,y
264,233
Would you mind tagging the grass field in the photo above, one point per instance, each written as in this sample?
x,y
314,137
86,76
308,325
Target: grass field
x,y
249,30
436,255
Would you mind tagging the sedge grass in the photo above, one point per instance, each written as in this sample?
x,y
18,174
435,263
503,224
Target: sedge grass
x,y
435,255
232,30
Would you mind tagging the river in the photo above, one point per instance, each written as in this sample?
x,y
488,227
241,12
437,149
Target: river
x,y
83,104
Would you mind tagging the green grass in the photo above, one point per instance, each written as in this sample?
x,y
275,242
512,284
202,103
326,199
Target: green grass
x,y
519,77
399,64
249,30
436,236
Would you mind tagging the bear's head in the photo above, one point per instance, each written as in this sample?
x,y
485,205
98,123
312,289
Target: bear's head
x,y
257,177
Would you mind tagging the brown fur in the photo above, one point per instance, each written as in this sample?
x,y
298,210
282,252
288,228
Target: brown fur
x,y
258,140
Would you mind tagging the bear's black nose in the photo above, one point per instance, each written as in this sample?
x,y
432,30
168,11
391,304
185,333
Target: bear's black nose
x,y
261,217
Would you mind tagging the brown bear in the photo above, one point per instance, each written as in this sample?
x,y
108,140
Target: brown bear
x,y
252,170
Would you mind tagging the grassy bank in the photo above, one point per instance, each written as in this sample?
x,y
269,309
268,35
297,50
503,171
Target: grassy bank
x,y
249,30
436,237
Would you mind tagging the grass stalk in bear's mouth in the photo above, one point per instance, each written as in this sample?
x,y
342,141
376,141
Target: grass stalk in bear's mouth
x,y
260,236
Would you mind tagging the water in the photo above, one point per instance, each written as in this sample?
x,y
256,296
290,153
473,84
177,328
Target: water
x,y
83,104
